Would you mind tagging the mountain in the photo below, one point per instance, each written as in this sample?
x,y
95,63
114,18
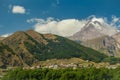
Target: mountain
x,y
87,33
8,57
1,38
26,48
94,28
105,44
117,37
99,36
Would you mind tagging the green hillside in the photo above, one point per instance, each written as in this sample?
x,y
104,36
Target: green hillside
x,y
49,46
30,47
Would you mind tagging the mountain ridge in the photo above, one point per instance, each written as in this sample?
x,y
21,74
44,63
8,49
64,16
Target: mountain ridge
x,y
100,37
30,47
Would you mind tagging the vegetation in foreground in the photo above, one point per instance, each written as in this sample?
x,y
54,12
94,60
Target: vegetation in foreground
x,y
64,74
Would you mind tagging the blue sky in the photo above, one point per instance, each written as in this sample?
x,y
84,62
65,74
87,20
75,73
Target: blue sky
x,y
11,21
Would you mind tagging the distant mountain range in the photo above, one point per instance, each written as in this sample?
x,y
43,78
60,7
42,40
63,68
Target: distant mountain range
x,y
99,36
26,48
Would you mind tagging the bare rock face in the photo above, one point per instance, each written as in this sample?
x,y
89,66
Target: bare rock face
x,y
117,37
100,37
94,29
87,33
105,44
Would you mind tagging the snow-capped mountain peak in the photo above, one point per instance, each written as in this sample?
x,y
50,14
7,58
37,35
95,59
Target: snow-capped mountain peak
x,y
101,26
95,28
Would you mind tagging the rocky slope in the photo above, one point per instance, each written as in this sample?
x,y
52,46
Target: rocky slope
x,y
105,44
87,33
117,37
100,37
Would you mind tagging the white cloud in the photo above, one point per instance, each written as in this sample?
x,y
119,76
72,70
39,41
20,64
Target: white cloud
x,y
6,35
115,21
18,10
67,27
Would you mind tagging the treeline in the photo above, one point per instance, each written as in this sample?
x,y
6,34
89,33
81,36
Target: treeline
x,y
64,74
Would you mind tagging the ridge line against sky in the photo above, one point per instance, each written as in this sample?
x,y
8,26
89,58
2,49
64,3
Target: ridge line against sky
x,y
14,13
68,27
